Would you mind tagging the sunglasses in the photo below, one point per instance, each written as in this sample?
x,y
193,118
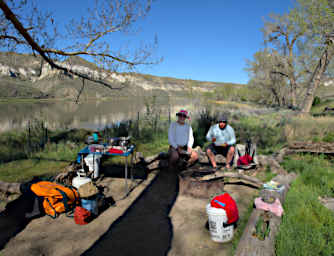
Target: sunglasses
x,y
181,115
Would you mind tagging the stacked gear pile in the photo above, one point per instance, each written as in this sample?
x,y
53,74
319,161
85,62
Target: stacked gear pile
x,y
53,199
246,161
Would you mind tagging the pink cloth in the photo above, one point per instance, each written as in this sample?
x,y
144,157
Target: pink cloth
x,y
276,207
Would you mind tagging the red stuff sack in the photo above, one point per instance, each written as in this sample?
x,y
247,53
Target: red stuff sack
x,y
115,151
82,216
245,160
226,202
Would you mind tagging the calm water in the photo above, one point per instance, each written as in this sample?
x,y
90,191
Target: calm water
x,y
90,115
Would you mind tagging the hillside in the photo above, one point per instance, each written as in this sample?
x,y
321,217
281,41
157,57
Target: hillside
x,y
26,76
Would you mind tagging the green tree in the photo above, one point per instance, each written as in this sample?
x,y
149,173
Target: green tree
x,y
299,48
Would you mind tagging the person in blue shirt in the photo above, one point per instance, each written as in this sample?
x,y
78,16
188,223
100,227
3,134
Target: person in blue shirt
x,y
223,141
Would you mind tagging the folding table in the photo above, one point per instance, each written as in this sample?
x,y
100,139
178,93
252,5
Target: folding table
x,y
128,152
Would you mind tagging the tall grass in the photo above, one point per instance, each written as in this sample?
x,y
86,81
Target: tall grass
x,y
310,129
307,227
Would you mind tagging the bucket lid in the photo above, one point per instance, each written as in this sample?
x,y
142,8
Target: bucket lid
x,y
87,190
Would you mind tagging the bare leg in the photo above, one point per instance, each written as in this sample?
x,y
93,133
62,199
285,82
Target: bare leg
x,y
229,157
193,157
212,159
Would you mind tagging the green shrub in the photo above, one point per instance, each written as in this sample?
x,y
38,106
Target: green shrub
x,y
329,137
316,101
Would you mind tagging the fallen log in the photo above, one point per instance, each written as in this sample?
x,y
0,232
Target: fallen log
x,y
251,245
10,187
312,147
219,174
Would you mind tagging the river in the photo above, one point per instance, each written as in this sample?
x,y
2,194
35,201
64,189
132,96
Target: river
x,y
93,114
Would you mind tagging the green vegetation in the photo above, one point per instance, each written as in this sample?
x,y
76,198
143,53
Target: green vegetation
x,y
262,228
307,227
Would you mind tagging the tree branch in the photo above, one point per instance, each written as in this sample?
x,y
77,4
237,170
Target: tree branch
x,y
280,73
3,37
19,27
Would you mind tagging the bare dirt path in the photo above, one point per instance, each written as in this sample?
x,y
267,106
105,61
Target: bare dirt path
x,y
153,220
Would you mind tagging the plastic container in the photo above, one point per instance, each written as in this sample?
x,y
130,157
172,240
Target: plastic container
x,y
90,205
217,218
80,180
93,162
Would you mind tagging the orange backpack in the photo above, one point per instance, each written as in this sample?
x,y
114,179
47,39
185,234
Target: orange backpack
x,y
57,198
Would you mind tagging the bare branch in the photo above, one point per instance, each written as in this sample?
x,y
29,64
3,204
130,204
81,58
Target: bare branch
x,y
11,17
18,41
280,73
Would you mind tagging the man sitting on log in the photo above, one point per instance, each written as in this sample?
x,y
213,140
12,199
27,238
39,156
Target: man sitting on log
x,y
181,140
223,140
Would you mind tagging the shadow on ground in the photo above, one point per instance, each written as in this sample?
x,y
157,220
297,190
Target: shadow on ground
x,y
13,219
145,228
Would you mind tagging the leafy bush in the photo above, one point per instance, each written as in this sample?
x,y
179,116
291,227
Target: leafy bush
x,y
316,101
329,137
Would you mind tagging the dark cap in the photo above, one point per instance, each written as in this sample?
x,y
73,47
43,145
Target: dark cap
x,y
222,118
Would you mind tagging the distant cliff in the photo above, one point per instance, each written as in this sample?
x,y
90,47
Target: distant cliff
x,y
27,76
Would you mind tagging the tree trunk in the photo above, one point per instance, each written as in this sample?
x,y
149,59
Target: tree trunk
x,y
316,77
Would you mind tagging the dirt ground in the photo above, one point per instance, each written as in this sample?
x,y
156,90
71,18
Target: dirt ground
x,y
153,220
189,219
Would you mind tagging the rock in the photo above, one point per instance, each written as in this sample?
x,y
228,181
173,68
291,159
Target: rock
x,y
328,202
270,161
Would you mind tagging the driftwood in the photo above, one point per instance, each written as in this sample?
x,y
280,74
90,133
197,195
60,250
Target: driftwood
x,y
10,187
221,174
250,245
312,147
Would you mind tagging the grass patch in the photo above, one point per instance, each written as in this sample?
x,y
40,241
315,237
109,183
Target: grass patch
x,y
23,170
48,162
310,129
266,176
307,226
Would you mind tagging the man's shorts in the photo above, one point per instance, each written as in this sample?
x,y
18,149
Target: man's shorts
x,y
219,150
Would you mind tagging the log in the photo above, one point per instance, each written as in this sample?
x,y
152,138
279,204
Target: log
x,y
10,187
250,245
219,174
312,147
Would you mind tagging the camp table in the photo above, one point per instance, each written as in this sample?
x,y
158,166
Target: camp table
x,y
87,150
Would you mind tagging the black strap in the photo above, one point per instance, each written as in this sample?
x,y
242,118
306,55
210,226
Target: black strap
x,y
239,154
54,210
65,199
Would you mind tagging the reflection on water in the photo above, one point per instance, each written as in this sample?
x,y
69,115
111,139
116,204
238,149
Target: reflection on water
x,y
90,115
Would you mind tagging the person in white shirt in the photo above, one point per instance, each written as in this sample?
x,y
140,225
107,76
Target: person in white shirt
x,y
181,140
223,141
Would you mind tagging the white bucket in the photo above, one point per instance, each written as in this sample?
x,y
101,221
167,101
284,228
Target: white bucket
x,y
78,181
93,161
217,218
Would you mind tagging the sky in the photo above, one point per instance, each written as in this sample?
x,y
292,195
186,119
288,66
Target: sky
x,y
206,40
